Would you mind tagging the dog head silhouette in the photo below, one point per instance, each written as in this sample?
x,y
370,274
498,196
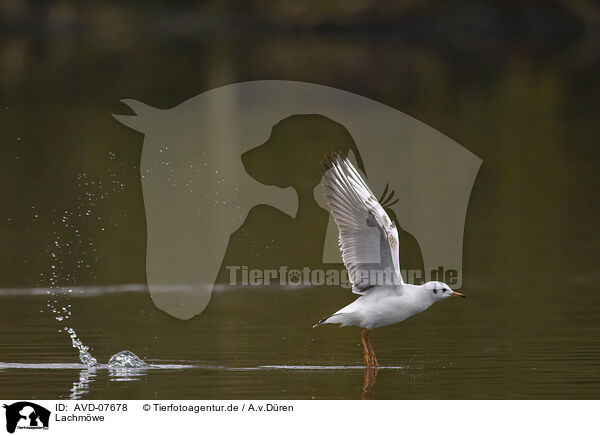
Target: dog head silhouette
x,y
292,154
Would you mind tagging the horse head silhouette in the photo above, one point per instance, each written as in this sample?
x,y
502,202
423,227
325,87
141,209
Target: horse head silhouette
x,y
196,194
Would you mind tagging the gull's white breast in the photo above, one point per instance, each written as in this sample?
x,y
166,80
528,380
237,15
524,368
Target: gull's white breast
x,y
382,306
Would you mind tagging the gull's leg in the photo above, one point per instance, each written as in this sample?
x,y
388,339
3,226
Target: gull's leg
x,y
372,357
364,334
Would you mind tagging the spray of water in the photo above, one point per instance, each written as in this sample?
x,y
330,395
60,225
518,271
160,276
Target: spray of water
x,y
71,253
62,312
84,354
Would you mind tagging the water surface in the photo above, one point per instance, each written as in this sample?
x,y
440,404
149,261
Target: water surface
x,y
244,347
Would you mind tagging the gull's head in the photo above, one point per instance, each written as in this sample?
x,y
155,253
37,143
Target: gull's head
x,y
439,291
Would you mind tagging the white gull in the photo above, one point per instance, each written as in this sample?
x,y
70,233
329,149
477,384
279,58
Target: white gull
x,y
369,245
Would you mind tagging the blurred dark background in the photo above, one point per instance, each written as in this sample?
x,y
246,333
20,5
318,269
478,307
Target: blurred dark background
x,y
517,83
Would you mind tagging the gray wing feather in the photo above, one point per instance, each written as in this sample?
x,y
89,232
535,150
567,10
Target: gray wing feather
x,y
368,238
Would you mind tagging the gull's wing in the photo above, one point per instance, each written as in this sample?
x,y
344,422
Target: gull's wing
x,y
368,238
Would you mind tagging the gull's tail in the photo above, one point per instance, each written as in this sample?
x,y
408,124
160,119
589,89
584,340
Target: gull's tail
x,y
321,321
344,319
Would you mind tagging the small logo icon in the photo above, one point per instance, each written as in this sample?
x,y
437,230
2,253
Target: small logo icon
x,y
26,415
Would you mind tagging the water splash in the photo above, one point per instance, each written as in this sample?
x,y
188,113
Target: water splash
x,y
72,251
126,359
126,366
84,354
62,312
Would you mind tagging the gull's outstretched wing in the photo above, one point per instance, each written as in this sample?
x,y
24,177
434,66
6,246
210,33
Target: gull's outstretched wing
x,y
368,238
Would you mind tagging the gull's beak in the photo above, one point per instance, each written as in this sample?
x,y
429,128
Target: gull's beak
x,y
458,294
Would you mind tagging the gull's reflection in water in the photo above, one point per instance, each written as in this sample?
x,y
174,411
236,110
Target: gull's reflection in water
x,y
370,375
82,387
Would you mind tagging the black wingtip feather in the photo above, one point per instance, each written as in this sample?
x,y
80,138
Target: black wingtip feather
x,y
387,185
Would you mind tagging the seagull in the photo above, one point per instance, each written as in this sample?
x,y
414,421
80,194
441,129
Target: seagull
x,y
369,244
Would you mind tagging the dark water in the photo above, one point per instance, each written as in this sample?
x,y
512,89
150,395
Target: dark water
x,y
526,103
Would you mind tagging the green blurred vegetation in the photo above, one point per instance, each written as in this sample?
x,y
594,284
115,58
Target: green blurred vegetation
x,y
185,17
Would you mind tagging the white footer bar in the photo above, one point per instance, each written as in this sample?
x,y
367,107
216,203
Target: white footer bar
x,y
285,417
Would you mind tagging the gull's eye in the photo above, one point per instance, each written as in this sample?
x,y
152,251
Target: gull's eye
x,y
443,290
435,291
